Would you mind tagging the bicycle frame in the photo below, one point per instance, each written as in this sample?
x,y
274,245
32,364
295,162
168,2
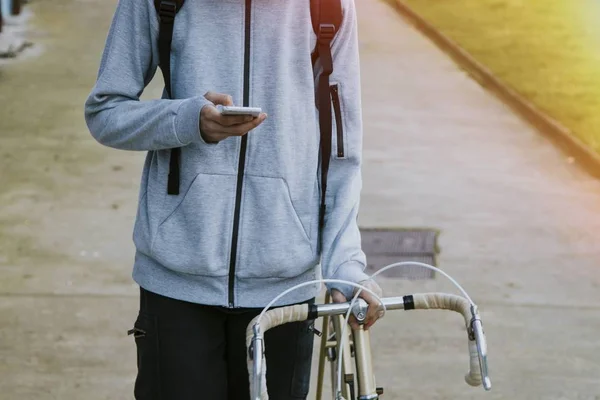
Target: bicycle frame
x,y
364,377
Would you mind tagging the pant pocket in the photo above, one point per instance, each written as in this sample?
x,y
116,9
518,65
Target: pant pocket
x,y
147,382
303,359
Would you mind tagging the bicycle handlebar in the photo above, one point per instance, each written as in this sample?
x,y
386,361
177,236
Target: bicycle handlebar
x,y
478,373
257,367
477,346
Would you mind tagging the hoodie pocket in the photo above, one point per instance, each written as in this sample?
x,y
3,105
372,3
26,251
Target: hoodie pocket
x,y
195,237
273,241
338,122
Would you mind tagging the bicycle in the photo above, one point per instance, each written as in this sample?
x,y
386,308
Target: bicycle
x,y
337,347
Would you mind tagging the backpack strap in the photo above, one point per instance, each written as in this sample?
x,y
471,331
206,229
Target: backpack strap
x,y
166,10
326,20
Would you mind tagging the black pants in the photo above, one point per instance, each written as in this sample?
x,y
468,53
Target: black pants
x,y
188,351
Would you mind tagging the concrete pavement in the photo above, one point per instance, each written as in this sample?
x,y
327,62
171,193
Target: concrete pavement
x,y
518,226
517,220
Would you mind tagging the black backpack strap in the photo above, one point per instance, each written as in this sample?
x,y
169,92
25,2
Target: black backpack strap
x,y
167,9
326,19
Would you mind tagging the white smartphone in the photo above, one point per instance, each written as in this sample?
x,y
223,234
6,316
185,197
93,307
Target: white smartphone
x,y
234,110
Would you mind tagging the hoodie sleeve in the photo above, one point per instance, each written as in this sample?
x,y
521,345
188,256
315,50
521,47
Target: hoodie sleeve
x,y
342,256
114,113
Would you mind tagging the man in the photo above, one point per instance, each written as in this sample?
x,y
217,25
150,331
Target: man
x,y
242,224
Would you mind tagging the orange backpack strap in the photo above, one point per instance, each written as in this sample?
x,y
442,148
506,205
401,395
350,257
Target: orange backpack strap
x,y
326,20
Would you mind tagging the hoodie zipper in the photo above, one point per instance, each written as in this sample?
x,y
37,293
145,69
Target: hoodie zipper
x,y
242,158
335,97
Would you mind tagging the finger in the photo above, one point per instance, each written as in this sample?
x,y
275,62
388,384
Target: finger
x,y
214,129
219,98
373,314
374,307
337,296
374,310
213,132
210,113
354,322
242,129
231,120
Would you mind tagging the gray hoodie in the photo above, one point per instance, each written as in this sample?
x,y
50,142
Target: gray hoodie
x,y
188,246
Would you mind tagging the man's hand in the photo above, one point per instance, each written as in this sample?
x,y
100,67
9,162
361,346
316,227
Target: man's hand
x,y
375,310
215,127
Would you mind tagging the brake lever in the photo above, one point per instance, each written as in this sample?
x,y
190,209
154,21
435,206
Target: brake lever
x,y
479,336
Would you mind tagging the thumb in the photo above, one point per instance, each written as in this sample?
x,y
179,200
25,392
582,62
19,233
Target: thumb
x,y
371,285
219,98
337,296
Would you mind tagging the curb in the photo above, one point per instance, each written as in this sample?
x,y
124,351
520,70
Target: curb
x,y
552,129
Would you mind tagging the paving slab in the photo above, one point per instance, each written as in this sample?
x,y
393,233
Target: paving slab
x,y
518,224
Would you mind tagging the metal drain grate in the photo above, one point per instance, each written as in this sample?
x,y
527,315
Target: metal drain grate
x,y
387,246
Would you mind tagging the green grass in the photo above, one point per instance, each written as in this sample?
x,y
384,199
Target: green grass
x,y
547,50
